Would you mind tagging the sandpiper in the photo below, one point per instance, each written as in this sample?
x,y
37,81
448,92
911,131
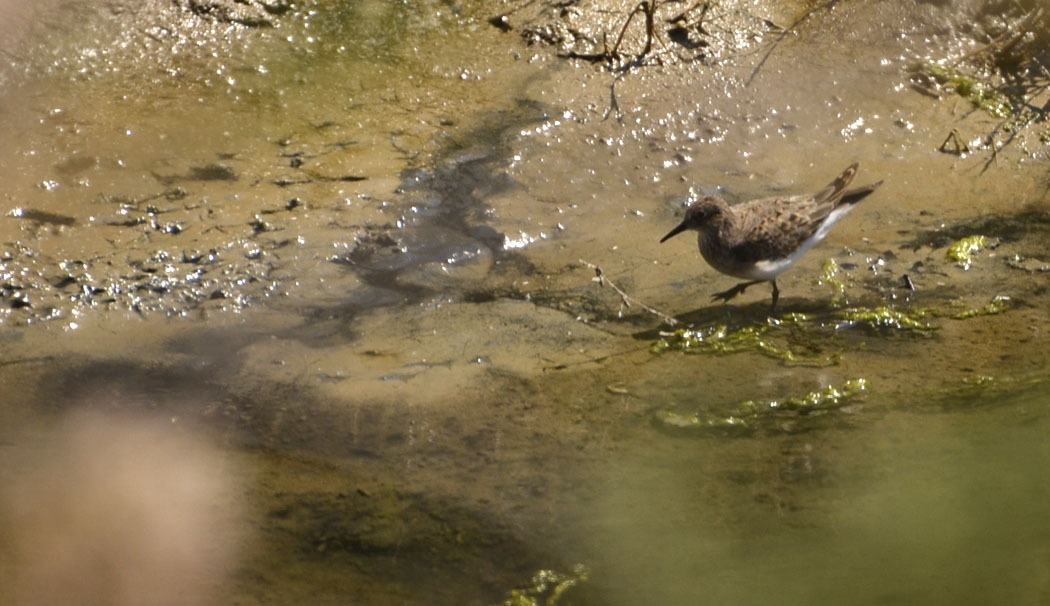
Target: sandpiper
x,y
760,239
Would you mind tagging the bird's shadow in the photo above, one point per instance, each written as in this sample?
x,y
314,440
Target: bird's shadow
x,y
750,314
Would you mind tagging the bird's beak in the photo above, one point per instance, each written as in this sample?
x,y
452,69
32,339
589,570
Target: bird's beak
x,y
674,232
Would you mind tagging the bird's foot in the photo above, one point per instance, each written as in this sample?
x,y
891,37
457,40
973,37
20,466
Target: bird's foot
x,y
732,292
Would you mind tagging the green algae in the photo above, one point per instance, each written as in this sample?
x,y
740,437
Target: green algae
x,y
719,339
547,587
829,398
828,273
795,338
977,92
885,318
813,339
746,415
723,340
962,251
792,318
978,391
673,420
888,319
999,304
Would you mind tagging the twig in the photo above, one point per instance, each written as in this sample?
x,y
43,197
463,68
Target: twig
x,y
1008,39
683,17
647,8
614,105
960,148
625,299
787,30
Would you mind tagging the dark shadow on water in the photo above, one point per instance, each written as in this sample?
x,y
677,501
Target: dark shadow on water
x,y
1007,228
444,219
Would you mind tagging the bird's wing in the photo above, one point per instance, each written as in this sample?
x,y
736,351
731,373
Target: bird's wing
x,y
776,233
781,225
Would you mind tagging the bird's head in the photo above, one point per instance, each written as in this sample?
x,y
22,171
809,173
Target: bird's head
x,y
702,214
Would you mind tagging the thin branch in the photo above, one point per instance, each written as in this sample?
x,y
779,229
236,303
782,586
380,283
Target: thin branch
x,y
614,105
641,8
784,34
1008,39
960,147
625,299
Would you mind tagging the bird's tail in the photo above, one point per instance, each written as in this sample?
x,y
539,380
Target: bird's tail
x,y
856,195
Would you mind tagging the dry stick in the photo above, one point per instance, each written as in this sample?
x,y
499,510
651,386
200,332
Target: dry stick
x,y
648,7
784,33
626,300
650,27
616,47
953,137
1015,132
644,8
683,18
1002,41
1005,41
614,105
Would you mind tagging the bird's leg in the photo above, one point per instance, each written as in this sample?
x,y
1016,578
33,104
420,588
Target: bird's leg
x,y
776,294
736,290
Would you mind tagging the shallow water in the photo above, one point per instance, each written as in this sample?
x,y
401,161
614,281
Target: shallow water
x,y
344,259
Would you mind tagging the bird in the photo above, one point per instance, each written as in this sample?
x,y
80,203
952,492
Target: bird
x,y
760,239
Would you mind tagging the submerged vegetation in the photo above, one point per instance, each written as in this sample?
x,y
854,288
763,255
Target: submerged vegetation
x,y
758,338
547,587
799,339
803,339
746,415
999,304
